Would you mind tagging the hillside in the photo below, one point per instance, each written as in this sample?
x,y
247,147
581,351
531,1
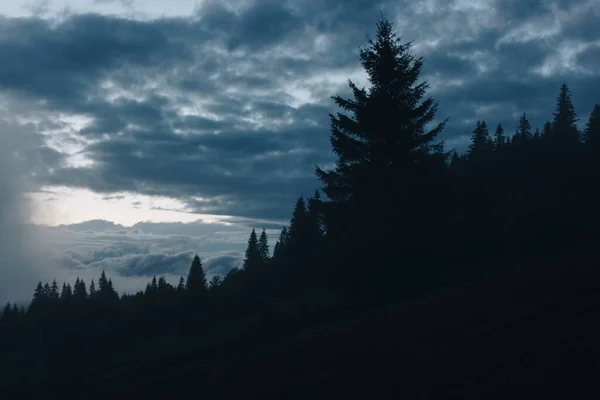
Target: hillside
x,y
537,327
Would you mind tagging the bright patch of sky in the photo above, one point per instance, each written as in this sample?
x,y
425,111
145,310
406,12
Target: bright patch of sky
x,y
57,205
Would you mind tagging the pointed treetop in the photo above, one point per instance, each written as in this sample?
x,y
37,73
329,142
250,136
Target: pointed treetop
x,y
385,131
181,285
564,125
253,256
523,132
298,221
263,245
480,140
196,280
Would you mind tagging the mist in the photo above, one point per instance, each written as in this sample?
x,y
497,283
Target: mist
x,y
19,270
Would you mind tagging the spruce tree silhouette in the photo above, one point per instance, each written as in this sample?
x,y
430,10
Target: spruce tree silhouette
x,y
80,291
299,228
253,257
591,134
282,243
263,246
481,143
181,285
499,137
196,279
523,133
564,124
215,282
93,291
387,170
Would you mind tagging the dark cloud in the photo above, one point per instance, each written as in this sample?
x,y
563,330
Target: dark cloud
x,y
590,59
61,64
227,110
263,24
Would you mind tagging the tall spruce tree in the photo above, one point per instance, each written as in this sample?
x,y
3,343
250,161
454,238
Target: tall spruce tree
x,y
384,137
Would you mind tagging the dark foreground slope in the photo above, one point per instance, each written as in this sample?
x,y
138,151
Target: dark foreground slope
x,y
537,329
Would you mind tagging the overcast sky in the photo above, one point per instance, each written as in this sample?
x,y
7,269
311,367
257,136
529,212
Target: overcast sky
x,y
170,110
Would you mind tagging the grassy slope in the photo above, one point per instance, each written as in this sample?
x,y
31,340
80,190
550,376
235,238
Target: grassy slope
x,y
540,328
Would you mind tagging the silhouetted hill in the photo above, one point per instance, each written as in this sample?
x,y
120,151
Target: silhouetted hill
x,y
535,328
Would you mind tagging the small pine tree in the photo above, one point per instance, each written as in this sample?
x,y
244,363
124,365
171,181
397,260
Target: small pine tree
x,y
66,294
282,243
523,133
54,292
39,295
455,159
103,283
80,291
298,223
196,280
564,125
263,246
253,256
7,313
215,282
93,291
591,134
181,285
499,137
111,293
480,141
164,287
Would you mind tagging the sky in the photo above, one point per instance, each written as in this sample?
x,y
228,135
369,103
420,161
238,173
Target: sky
x,y
151,110
217,111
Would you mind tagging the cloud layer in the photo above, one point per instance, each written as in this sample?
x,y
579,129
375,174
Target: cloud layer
x,y
226,109
130,255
